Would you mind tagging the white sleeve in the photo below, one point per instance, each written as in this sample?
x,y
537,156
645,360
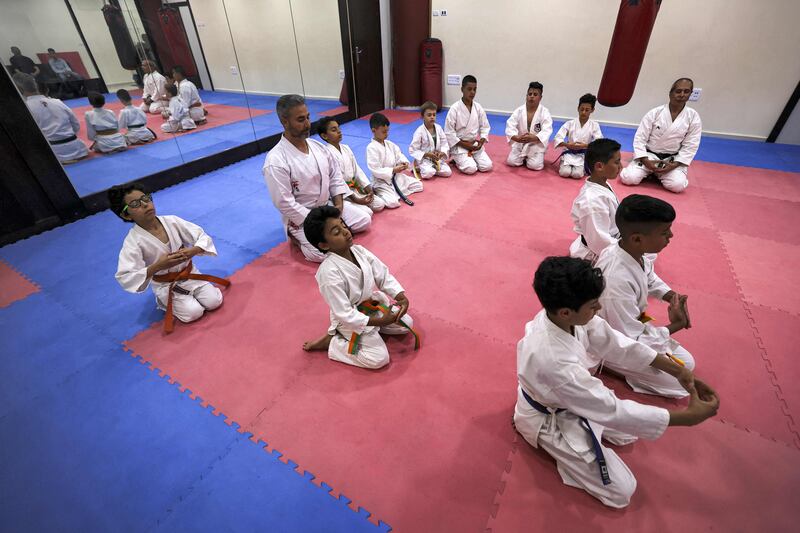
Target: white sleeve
x,y
415,148
485,127
642,134
656,287
279,183
561,136
596,132
73,120
131,269
512,127
90,132
343,311
622,313
691,142
595,227
361,178
122,119
336,183
547,127
450,128
383,278
191,232
374,162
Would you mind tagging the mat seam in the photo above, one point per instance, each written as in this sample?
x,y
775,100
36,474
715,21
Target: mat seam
x,y
501,486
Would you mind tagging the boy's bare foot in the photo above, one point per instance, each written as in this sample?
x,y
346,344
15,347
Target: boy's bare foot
x,y
319,344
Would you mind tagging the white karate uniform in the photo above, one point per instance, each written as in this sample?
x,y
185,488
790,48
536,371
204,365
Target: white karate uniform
x,y
572,165
468,125
344,286
555,369
593,212
298,182
628,284
141,249
178,118
381,160
532,154
188,93
351,172
99,119
135,121
422,142
57,122
155,87
657,133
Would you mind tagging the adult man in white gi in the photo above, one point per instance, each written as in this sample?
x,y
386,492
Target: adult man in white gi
x,y
154,95
302,174
666,141
57,122
467,130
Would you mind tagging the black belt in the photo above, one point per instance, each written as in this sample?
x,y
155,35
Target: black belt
x,y
661,155
583,240
598,450
136,125
63,141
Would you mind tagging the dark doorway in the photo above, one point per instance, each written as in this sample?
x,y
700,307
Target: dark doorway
x,y
365,52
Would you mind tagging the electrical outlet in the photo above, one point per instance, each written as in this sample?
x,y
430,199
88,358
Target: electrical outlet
x,y
341,74
435,12
443,12
454,79
234,71
695,94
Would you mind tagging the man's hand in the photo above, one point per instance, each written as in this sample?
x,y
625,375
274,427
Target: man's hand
x,y
703,402
399,168
402,301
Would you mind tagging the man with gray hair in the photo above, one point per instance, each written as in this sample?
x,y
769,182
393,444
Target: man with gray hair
x,y
301,174
57,122
154,96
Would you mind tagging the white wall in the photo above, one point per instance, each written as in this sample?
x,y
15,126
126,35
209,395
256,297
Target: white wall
x,y
35,26
742,53
265,45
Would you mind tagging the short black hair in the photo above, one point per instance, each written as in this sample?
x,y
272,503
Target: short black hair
x,y
123,95
587,98
172,90
676,82
314,224
600,151
377,120
536,85
116,197
96,99
179,70
469,78
51,50
426,106
322,125
567,282
639,213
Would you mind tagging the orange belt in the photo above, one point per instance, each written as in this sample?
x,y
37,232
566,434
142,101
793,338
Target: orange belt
x,y
197,104
370,306
355,186
644,318
173,278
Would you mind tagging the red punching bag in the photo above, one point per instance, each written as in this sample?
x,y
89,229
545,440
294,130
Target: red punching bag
x,y
172,27
121,37
635,23
431,71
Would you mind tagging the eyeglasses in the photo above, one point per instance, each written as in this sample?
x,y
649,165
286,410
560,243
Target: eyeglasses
x,y
145,199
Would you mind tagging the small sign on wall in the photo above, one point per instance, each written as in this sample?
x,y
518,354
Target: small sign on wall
x,y
454,79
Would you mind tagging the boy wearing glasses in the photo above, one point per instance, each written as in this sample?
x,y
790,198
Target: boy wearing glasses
x,y
158,251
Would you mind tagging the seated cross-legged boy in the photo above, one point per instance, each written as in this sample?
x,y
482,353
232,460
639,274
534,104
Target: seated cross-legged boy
x,y
102,127
467,129
594,208
528,130
565,410
644,224
575,136
357,287
387,163
158,252
176,116
429,146
362,197
134,120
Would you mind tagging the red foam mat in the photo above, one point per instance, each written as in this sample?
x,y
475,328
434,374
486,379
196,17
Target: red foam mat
x,y
13,286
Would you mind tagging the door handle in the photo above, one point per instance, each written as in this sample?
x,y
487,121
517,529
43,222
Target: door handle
x,y
358,51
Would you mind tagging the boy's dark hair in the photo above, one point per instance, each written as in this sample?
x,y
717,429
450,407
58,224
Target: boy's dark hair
x,y
51,50
587,98
469,78
96,99
322,125
172,90
600,151
377,120
179,70
639,213
426,106
116,197
123,95
536,85
568,282
314,224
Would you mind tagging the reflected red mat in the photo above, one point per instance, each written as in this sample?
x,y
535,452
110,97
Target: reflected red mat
x,y
14,286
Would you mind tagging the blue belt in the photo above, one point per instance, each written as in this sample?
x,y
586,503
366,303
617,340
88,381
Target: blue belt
x,y
598,450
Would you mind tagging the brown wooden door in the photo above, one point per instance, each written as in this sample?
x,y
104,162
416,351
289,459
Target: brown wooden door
x,y
365,51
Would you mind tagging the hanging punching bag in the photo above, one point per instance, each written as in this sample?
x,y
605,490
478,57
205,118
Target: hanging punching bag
x,y
172,27
635,22
121,37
